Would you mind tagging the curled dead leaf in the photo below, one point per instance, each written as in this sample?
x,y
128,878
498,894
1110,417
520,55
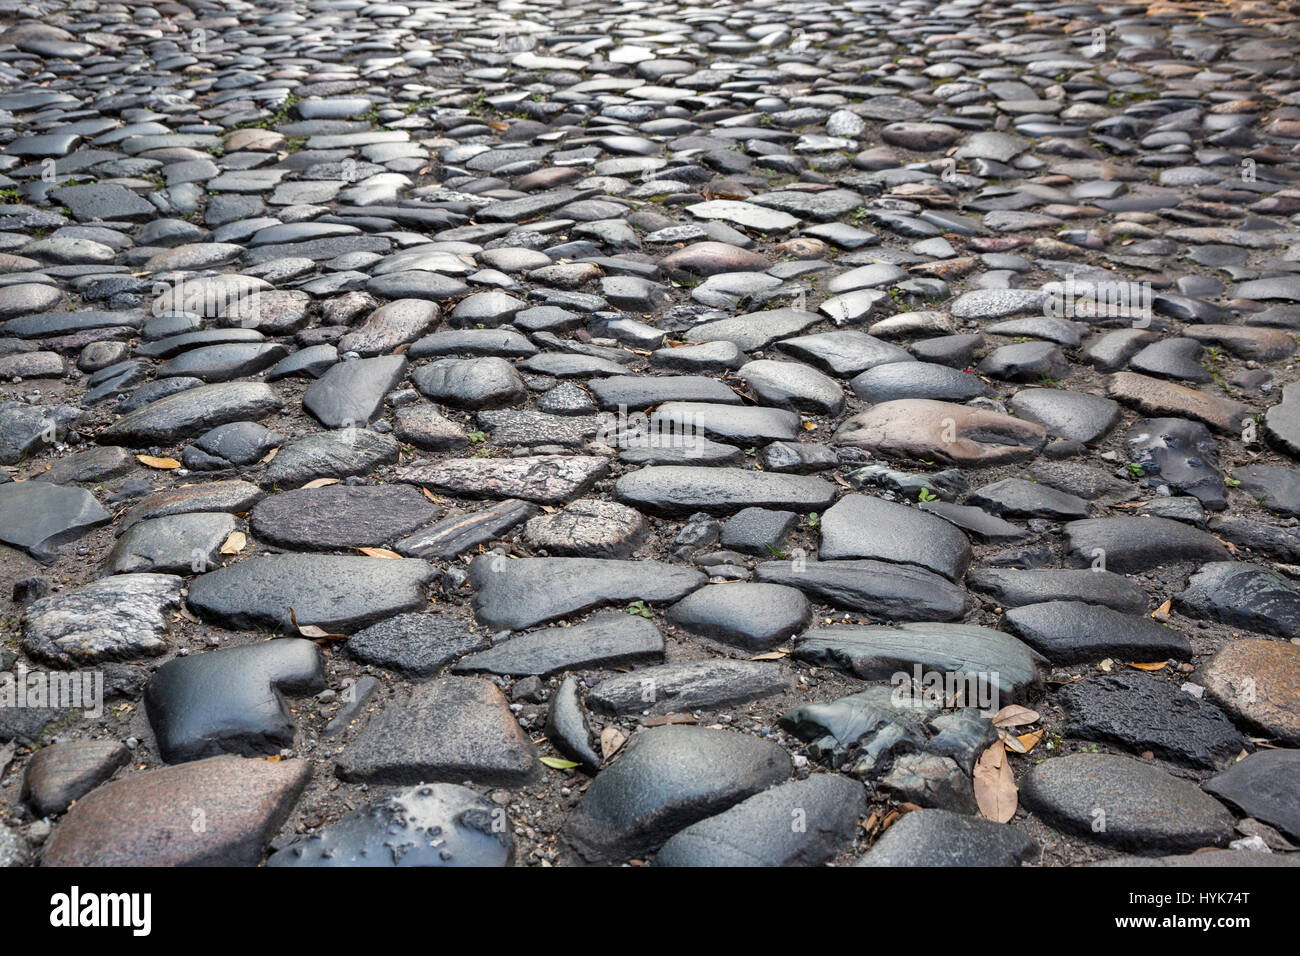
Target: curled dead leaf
x,y
235,543
321,482
313,632
1153,666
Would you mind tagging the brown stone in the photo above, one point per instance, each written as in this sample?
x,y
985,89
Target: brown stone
x,y
217,812
920,429
711,258
1246,341
1258,683
1154,397
61,773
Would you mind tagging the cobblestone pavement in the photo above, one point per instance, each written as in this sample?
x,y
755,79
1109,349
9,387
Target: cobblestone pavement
x,y
677,434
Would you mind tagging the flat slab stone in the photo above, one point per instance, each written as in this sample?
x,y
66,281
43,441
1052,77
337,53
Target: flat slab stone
x,y
351,451
117,618
1242,595
190,413
636,392
934,837
1142,712
685,423
1155,397
667,779
758,831
451,729
697,685
233,497
1071,632
1075,416
1138,544
1144,808
920,429
521,593
432,825
231,700
341,516
351,394
147,818
608,639
683,489
861,526
64,772
891,592
176,544
39,517
878,653
1263,786
544,479
1257,683
337,593
1013,587
588,528
754,616
416,644
460,533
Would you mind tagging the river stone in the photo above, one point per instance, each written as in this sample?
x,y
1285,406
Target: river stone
x,y
1074,416
667,779
588,528
879,652
190,413
756,617
1071,632
936,837
341,516
419,645
697,685
1258,683
1242,595
351,394
609,639
545,479
1263,786
450,729
920,429
62,773
1145,809
1141,712
431,825
1137,544
38,517
471,383
254,796
233,496
462,532
337,593
337,454
1012,587
682,490
892,592
231,700
567,728
175,544
117,618
521,593
759,831
861,526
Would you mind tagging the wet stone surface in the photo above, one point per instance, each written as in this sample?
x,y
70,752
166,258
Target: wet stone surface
x,y
549,435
